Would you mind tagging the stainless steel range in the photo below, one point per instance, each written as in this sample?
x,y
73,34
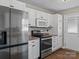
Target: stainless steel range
x,y
45,42
46,46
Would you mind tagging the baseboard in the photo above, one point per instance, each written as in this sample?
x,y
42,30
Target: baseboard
x,y
70,49
63,47
56,49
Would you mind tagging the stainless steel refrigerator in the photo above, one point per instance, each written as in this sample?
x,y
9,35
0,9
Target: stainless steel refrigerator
x,y
13,33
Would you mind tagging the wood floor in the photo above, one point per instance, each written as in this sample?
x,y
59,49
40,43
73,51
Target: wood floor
x,y
63,54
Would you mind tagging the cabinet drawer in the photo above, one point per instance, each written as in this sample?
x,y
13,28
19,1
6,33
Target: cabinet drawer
x,y
33,43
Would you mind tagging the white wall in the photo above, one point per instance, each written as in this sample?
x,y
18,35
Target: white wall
x,y
70,11
71,40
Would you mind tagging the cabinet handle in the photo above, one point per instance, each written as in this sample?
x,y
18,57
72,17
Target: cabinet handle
x,y
54,41
29,24
11,6
33,45
54,47
41,17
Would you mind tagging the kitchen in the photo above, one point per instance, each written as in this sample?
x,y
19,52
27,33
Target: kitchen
x,y
39,29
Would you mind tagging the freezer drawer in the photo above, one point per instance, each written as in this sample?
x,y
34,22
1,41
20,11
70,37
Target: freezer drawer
x,y
4,54
19,52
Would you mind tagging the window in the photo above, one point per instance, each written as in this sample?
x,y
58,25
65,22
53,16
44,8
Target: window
x,y
72,25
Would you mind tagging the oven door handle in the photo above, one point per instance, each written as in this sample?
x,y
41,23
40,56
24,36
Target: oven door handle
x,y
46,39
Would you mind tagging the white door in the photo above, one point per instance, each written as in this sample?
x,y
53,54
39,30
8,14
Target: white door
x,y
71,33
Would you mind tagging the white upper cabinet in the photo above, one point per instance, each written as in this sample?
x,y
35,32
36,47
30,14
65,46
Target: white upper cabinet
x,y
35,15
5,3
32,16
50,20
59,24
47,18
41,14
15,4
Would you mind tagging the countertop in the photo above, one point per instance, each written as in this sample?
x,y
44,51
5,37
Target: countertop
x,y
54,35
33,38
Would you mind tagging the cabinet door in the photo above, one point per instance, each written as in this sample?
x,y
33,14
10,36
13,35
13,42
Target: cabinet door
x,y
4,53
59,31
18,5
60,25
54,43
33,48
5,3
59,41
32,17
39,14
46,16
50,20
55,24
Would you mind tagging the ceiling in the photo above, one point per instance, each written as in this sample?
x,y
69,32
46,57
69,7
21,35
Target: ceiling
x,y
54,5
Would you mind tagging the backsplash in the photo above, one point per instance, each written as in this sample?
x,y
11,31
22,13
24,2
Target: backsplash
x,y
42,29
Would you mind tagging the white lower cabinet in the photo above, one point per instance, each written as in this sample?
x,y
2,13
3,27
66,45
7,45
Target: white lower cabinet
x,y
56,43
33,49
59,41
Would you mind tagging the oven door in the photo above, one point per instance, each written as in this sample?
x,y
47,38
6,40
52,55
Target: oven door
x,y
46,44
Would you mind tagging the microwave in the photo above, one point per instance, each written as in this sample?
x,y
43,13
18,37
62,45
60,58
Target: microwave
x,y
41,22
